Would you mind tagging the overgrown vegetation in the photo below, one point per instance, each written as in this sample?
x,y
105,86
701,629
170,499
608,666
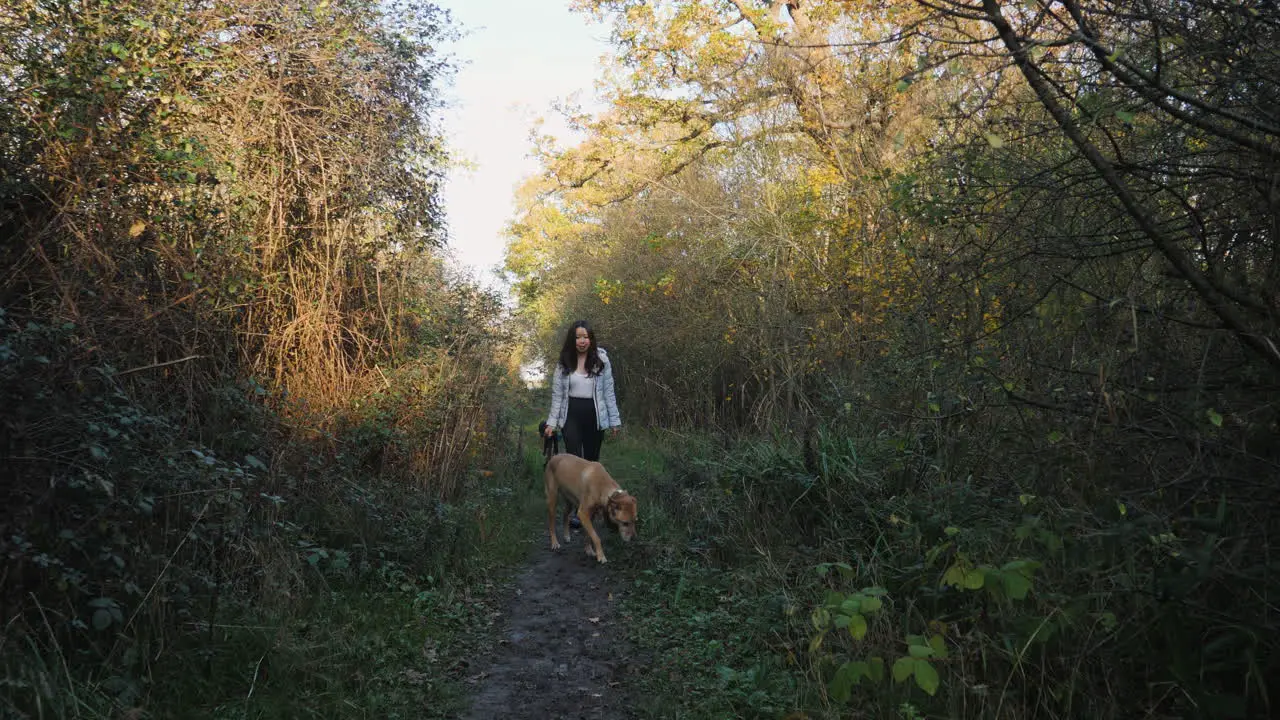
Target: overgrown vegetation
x,y
254,431
956,325
968,314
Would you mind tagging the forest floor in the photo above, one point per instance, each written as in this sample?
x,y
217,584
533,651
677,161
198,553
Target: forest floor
x,y
562,653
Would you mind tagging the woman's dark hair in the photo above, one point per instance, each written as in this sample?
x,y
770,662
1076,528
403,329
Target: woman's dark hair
x,y
569,351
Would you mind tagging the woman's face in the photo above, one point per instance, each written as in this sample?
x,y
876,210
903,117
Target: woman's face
x,y
582,339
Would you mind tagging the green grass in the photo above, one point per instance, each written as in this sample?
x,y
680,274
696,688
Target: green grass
x,y
707,629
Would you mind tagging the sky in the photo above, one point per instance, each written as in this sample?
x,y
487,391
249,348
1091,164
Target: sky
x,y
516,59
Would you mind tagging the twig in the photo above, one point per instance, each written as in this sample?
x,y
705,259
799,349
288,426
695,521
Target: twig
x,y
158,365
253,683
160,577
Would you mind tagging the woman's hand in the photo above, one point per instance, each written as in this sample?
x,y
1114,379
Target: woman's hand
x,y
615,430
549,431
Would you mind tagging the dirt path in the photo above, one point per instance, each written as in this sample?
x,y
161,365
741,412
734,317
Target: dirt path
x,y
561,654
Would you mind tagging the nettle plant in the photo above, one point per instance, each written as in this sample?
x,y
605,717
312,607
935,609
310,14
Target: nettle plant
x,y
851,611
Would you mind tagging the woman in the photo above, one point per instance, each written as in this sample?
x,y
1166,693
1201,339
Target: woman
x,y
583,405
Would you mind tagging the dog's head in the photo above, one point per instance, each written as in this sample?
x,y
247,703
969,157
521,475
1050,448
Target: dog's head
x,y
623,513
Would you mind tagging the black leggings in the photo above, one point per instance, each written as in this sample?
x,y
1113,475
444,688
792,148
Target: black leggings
x,y
581,435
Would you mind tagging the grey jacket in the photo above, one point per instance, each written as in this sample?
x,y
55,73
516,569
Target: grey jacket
x,y
606,402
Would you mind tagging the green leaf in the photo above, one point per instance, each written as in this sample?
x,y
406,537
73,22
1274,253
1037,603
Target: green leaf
x,y
1124,116
902,85
815,642
820,618
903,668
995,141
857,626
875,669
939,646
920,651
951,530
871,604
973,579
926,677
954,576
840,621
841,684
1055,437
1016,585
1214,417
1051,541
101,619
1026,567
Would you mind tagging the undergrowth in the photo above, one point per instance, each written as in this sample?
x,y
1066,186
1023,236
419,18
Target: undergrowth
x,y
877,587
253,569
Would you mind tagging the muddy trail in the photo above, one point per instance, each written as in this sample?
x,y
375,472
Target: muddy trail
x,y
562,652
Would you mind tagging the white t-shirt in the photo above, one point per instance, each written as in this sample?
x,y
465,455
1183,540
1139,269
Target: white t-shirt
x,y
581,385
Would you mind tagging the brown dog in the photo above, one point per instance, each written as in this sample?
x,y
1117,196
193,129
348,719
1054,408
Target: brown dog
x,y
589,486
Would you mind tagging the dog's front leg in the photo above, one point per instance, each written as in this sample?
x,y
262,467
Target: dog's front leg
x,y
568,513
551,517
594,548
